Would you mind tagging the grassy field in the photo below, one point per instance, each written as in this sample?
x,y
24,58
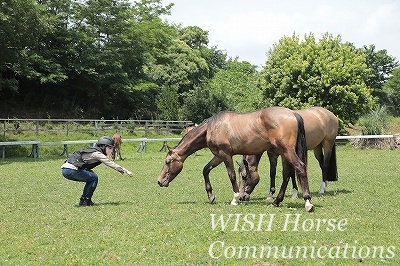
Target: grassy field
x,y
138,223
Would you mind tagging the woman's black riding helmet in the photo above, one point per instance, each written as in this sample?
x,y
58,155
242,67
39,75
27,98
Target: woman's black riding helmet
x,y
105,140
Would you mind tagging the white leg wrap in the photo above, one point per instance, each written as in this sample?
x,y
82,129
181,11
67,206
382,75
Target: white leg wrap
x,y
294,194
322,188
235,200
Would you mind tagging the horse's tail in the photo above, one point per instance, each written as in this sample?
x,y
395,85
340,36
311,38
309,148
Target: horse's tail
x,y
332,170
301,143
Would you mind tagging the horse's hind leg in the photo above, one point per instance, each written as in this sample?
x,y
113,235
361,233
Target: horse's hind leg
x,y
301,171
206,174
273,161
320,158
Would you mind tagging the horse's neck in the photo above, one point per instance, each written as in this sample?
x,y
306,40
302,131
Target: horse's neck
x,y
194,141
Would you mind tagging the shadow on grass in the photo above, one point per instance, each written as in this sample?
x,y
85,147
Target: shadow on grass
x,y
331,193
112,203
187,202
300,205
263,200
286,205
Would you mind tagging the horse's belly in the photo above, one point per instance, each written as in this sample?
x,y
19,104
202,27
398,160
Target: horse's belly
x,y
254,146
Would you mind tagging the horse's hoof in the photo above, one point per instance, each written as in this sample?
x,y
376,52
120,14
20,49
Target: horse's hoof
x,y
309,207
211,199
274,204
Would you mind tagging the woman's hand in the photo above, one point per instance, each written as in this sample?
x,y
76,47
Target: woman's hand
x,y
129,173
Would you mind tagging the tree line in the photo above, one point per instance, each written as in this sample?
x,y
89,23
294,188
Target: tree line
x,y
119,59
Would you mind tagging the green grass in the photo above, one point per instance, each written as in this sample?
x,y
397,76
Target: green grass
x,y
139,223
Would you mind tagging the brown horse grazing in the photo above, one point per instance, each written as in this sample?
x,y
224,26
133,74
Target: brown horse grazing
x,y
229,133
117,146
321,127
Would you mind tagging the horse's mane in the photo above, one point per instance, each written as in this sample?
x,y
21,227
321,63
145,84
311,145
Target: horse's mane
x,y
205,121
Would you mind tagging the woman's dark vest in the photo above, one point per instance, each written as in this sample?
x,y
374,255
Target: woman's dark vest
x,y
76,158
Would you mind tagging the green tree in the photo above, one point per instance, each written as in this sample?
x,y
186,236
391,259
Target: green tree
x,y
392,90
85,58
167,102
180,65
94,52
237,85
381,66
185,64
199,104
328,73
22,24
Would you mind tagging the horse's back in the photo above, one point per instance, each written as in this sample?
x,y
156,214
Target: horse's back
x,y
252,132
320,124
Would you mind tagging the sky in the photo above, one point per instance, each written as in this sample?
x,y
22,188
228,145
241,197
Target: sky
x,y
248,29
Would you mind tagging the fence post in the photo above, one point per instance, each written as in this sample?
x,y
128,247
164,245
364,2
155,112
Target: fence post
x,y
37,128
142,146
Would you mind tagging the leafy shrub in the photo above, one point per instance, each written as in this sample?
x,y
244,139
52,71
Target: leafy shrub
x,y
375,122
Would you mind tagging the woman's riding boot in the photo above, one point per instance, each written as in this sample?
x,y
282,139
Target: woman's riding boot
x,y
85,201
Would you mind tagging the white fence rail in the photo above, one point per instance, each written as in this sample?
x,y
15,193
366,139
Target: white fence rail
x,y
393,142
92,126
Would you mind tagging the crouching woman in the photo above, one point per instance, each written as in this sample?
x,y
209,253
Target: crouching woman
x,y
79,165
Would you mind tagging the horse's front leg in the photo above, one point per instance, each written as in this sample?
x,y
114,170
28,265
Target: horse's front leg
x,y
232,176
215,161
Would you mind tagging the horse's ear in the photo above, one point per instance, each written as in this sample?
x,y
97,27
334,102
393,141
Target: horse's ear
x,y
169,148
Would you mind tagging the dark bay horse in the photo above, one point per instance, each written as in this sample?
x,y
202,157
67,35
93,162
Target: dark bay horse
x,y
228,133
321,127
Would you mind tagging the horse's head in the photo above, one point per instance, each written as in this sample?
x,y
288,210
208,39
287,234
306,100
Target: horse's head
x,y
248,180
172,167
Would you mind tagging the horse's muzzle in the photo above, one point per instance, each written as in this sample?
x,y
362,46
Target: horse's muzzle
x,y
244,197
163,184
